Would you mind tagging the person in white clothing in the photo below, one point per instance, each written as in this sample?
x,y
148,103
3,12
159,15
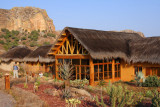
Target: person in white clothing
x,y
15,70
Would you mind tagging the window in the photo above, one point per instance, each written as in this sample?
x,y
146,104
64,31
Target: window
x,y
137,69
117,70
81,67
103,69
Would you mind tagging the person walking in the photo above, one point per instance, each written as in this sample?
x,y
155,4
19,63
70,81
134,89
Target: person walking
x,y
15,70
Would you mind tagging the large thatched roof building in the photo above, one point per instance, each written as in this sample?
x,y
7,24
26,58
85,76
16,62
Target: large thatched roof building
x,y
15,54
104,44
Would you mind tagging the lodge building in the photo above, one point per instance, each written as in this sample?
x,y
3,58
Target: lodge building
x,y
106,55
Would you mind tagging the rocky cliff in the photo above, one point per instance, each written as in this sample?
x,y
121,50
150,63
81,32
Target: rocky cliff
x,y
26,19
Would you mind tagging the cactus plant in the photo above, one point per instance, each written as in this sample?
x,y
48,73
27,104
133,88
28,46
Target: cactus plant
x,y
100,102
156,99
118,97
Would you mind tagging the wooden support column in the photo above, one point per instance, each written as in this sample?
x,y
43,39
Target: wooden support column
x,y
91,81
56,68
113,70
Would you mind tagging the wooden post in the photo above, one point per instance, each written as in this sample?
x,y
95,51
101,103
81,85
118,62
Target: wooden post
x,y
113,69
56,68
7,81
91,81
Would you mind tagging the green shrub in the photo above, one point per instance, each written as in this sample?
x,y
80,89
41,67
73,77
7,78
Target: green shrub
x,y
16,39
45,36
23,38
33,44
23,43
156,99
46,74
79,83
149,94
4,30
34,35
51,35
152,81
1,36
37,81
15,32
13,37
1,42
46,43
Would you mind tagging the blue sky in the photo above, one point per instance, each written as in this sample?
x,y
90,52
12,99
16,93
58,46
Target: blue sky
x,y
138,15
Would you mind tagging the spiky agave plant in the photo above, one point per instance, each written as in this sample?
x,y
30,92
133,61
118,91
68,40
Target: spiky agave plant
x,y
66,72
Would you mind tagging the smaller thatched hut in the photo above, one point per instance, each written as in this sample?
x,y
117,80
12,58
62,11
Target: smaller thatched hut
x,y
15,54
38,61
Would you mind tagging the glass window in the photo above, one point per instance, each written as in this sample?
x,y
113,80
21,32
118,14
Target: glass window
x,y
110,67
116,68
110,74
67,60
84,61
95,76
95,68
60,61
105,60
117,60
140,69
100,68
82,69
105,67
106,75
136,70
95,61
100,61
101,76
75,61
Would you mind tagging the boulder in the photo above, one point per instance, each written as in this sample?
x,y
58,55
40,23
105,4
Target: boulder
x,y
82,92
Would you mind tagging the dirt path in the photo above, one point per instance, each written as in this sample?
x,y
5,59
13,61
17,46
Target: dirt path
x,y
6,100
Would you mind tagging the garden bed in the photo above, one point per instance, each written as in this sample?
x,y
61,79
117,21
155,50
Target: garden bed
x,y
53,101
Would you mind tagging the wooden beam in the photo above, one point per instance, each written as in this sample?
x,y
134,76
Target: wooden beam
x,y
91,81
73,56
113,69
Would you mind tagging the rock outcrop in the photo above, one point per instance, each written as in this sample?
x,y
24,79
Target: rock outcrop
x,y
132,31
26,19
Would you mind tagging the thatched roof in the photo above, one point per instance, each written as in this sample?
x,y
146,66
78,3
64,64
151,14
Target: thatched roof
x,y
40,54
145,50
15,54
104,44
